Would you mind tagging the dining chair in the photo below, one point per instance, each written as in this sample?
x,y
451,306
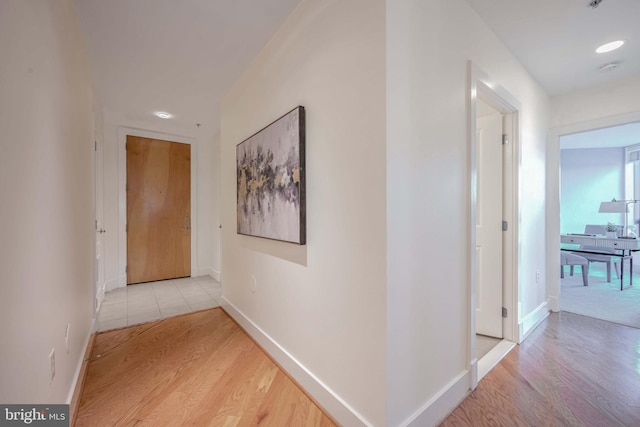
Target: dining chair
x,y
604,258
571,259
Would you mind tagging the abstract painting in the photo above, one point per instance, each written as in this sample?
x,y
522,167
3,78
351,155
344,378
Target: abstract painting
x,y
271,181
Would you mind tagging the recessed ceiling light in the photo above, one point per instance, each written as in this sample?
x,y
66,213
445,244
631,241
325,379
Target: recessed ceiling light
x,y
608,47
163,115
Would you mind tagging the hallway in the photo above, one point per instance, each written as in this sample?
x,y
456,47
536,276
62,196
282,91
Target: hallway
x,y
196,369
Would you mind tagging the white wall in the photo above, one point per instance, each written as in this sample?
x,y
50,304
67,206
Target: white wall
x,y
428,46
590,176
323,303
206,233
46,183
610,100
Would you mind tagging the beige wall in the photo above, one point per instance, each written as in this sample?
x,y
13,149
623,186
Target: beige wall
x,y
323,303
428,198
46,183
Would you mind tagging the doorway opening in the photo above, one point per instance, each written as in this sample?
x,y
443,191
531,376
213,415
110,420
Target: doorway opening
x,y
596,166
553,231
494,165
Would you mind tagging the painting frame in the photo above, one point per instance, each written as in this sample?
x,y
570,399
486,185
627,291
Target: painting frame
x,y
271,180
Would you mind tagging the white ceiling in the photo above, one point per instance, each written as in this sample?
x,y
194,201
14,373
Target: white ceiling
x,y
556,39
182,56
179,56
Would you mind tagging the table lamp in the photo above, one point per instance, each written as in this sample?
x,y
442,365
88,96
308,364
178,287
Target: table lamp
x,y
618,206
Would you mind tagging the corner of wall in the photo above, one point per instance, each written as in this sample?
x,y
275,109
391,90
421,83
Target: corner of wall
x,y
436,409
529,323
325,396
209,271
75,391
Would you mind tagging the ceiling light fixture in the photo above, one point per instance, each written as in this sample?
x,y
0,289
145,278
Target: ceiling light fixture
x,y
163,115
608,47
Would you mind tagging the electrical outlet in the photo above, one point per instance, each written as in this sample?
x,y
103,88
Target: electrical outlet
x,y
52,362
537,276
66,337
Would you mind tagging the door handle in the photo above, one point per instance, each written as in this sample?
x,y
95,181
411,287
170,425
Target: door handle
x,y
101,231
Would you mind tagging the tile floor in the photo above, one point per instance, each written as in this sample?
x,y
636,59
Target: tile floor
x,y
146,302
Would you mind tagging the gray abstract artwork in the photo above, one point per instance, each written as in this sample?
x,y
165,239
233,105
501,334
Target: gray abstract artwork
x,y
271,181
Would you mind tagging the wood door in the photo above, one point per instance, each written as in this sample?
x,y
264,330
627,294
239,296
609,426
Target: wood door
x,y
489,226
158,210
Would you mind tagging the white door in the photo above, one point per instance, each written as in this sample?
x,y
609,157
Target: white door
x,y
489,225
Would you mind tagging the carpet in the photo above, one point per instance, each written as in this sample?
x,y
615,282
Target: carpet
x,y
601,300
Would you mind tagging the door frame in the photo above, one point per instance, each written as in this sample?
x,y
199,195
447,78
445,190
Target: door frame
x,y
481,85
98,210
553,194
123,131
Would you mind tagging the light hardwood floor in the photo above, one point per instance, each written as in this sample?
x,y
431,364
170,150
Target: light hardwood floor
x,y
199,369
202,369
571,371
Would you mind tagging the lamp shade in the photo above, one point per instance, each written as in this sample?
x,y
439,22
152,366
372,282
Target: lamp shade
x,y
618,206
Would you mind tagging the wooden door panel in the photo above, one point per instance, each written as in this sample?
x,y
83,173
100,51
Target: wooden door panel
x,y
158,210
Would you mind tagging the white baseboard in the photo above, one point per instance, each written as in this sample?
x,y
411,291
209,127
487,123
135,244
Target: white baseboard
x,y
554,304
206,271
76,375
532,320
327,398
438,408
112,284
100,296
473,374
216,275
